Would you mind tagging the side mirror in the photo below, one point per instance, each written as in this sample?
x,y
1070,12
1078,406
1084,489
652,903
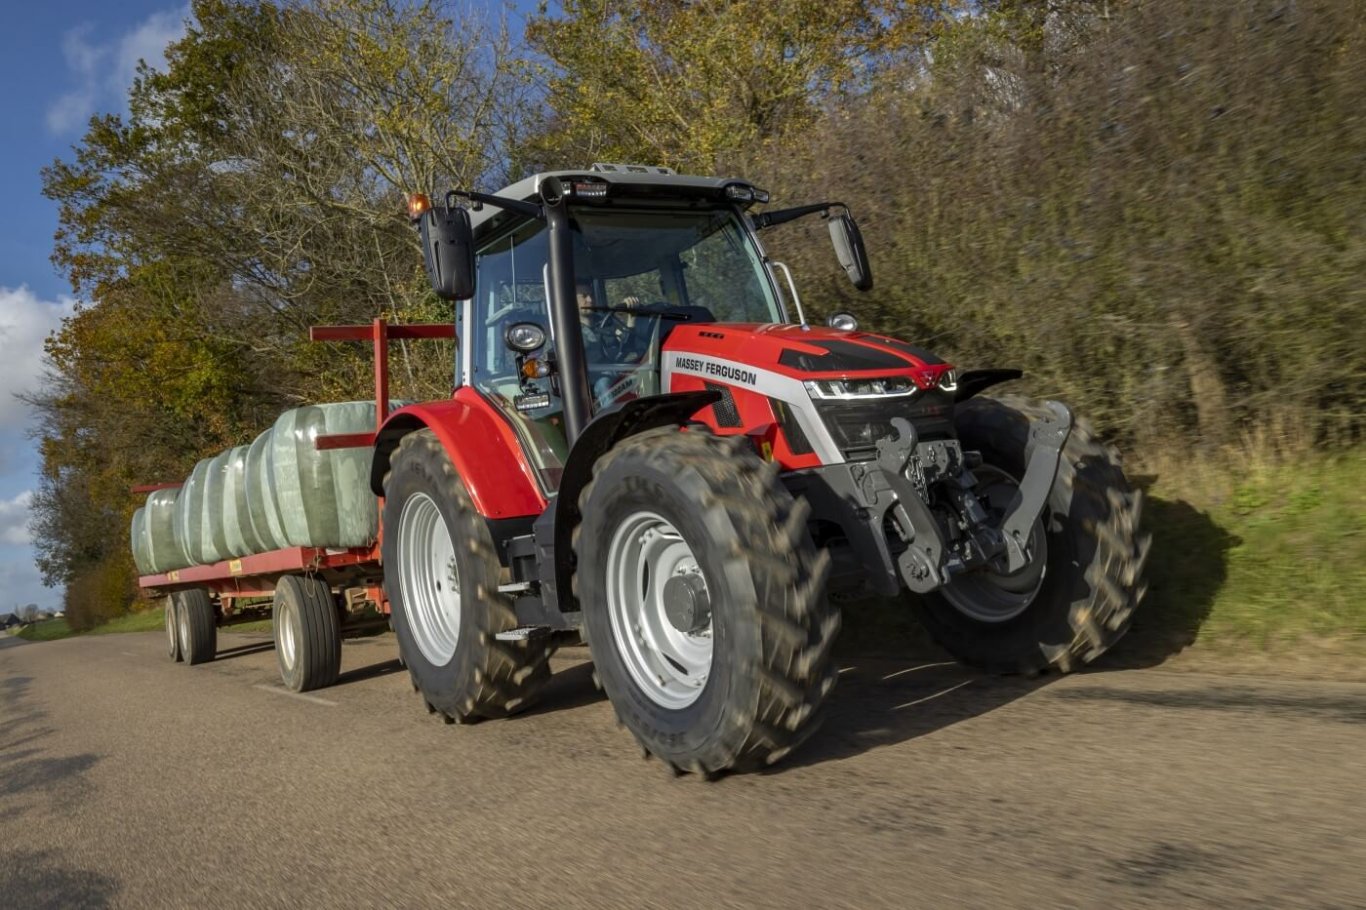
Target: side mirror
x,y
448,250
853,256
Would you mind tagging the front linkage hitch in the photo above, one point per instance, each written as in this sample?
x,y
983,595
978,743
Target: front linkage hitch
x,y
906,468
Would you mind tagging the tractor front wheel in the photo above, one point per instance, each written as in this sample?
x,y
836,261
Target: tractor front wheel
x,y
441,573
703,600
1077,595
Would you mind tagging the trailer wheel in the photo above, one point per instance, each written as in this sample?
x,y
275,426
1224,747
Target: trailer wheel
x,y
198,630
704,601
1078,598
441,574
307,633
172,631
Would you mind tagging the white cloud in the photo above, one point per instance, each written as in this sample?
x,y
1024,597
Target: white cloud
x,y
102,71
14,519
25,322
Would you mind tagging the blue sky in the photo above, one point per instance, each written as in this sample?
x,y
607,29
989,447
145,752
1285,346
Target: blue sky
x,y
59,63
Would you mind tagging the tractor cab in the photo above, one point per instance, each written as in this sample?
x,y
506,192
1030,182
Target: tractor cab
x,y
645,258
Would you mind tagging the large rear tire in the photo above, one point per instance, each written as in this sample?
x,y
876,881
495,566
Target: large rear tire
x,y
704,602
1078,597
197,627
307,633
441,573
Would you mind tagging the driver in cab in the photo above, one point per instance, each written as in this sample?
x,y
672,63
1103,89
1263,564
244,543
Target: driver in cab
x,y
606,334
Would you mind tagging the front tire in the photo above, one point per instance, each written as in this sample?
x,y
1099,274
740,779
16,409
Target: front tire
x,y
703,600
196,626
441,573
307,633
1068,608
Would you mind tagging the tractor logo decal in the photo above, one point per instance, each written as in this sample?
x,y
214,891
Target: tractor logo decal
x,y
720,370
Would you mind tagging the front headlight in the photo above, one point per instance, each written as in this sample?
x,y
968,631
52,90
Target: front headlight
x,y
844,389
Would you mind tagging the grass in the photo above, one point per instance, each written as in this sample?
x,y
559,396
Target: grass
x,y
52,629
1262,555
46,630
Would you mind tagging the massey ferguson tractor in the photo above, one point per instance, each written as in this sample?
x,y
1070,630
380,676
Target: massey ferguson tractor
x,y
650,447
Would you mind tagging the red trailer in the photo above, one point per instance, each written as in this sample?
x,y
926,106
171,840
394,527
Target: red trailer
x,y
316,592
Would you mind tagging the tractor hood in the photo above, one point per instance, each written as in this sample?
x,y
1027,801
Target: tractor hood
x,y
813,352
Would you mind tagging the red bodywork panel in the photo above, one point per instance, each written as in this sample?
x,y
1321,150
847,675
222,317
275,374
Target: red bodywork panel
x,y
485,450
781,355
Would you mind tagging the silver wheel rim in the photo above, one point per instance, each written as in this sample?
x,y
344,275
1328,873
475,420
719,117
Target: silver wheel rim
x,y
183,622
669,665
170,630
993,597
284,636
429,579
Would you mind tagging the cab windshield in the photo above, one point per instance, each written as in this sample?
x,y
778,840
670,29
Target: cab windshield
x,y
638,274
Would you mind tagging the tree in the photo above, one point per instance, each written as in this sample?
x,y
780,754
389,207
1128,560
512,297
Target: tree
x,y
694,84
254,188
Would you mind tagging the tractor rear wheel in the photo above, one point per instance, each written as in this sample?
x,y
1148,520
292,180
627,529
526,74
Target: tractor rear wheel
x,y
1077,596
441,573
196,626
307,633
703,600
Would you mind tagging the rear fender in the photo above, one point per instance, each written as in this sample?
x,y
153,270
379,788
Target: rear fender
x,y
482,446
607,429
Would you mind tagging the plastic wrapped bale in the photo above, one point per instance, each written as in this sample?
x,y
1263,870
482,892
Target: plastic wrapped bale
x,y
214,546
137,536
162,545
189,516
262,506
240,537
324,497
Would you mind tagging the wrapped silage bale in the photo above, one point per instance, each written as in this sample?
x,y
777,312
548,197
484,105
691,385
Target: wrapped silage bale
x,y
163,547
240,538
189,516
137,535
262,506
324,498
214,539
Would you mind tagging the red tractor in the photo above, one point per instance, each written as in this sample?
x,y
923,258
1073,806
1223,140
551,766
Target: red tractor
x,y
645,449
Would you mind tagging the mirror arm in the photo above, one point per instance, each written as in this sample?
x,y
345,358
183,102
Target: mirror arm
x,y
782,216
521,207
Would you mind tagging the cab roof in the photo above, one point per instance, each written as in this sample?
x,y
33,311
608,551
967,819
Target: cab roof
x,y
634,181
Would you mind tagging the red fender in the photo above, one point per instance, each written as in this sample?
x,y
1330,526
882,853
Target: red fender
x,y
482,446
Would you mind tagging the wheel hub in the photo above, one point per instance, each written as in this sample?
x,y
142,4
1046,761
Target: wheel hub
x,y
687,604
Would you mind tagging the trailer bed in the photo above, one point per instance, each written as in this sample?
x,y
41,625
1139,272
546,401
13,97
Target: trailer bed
x,y
256,575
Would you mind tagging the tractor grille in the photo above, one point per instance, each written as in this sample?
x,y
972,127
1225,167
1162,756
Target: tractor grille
x,y
857,424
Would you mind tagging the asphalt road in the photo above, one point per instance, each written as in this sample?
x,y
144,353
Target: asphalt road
x,y
129,781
